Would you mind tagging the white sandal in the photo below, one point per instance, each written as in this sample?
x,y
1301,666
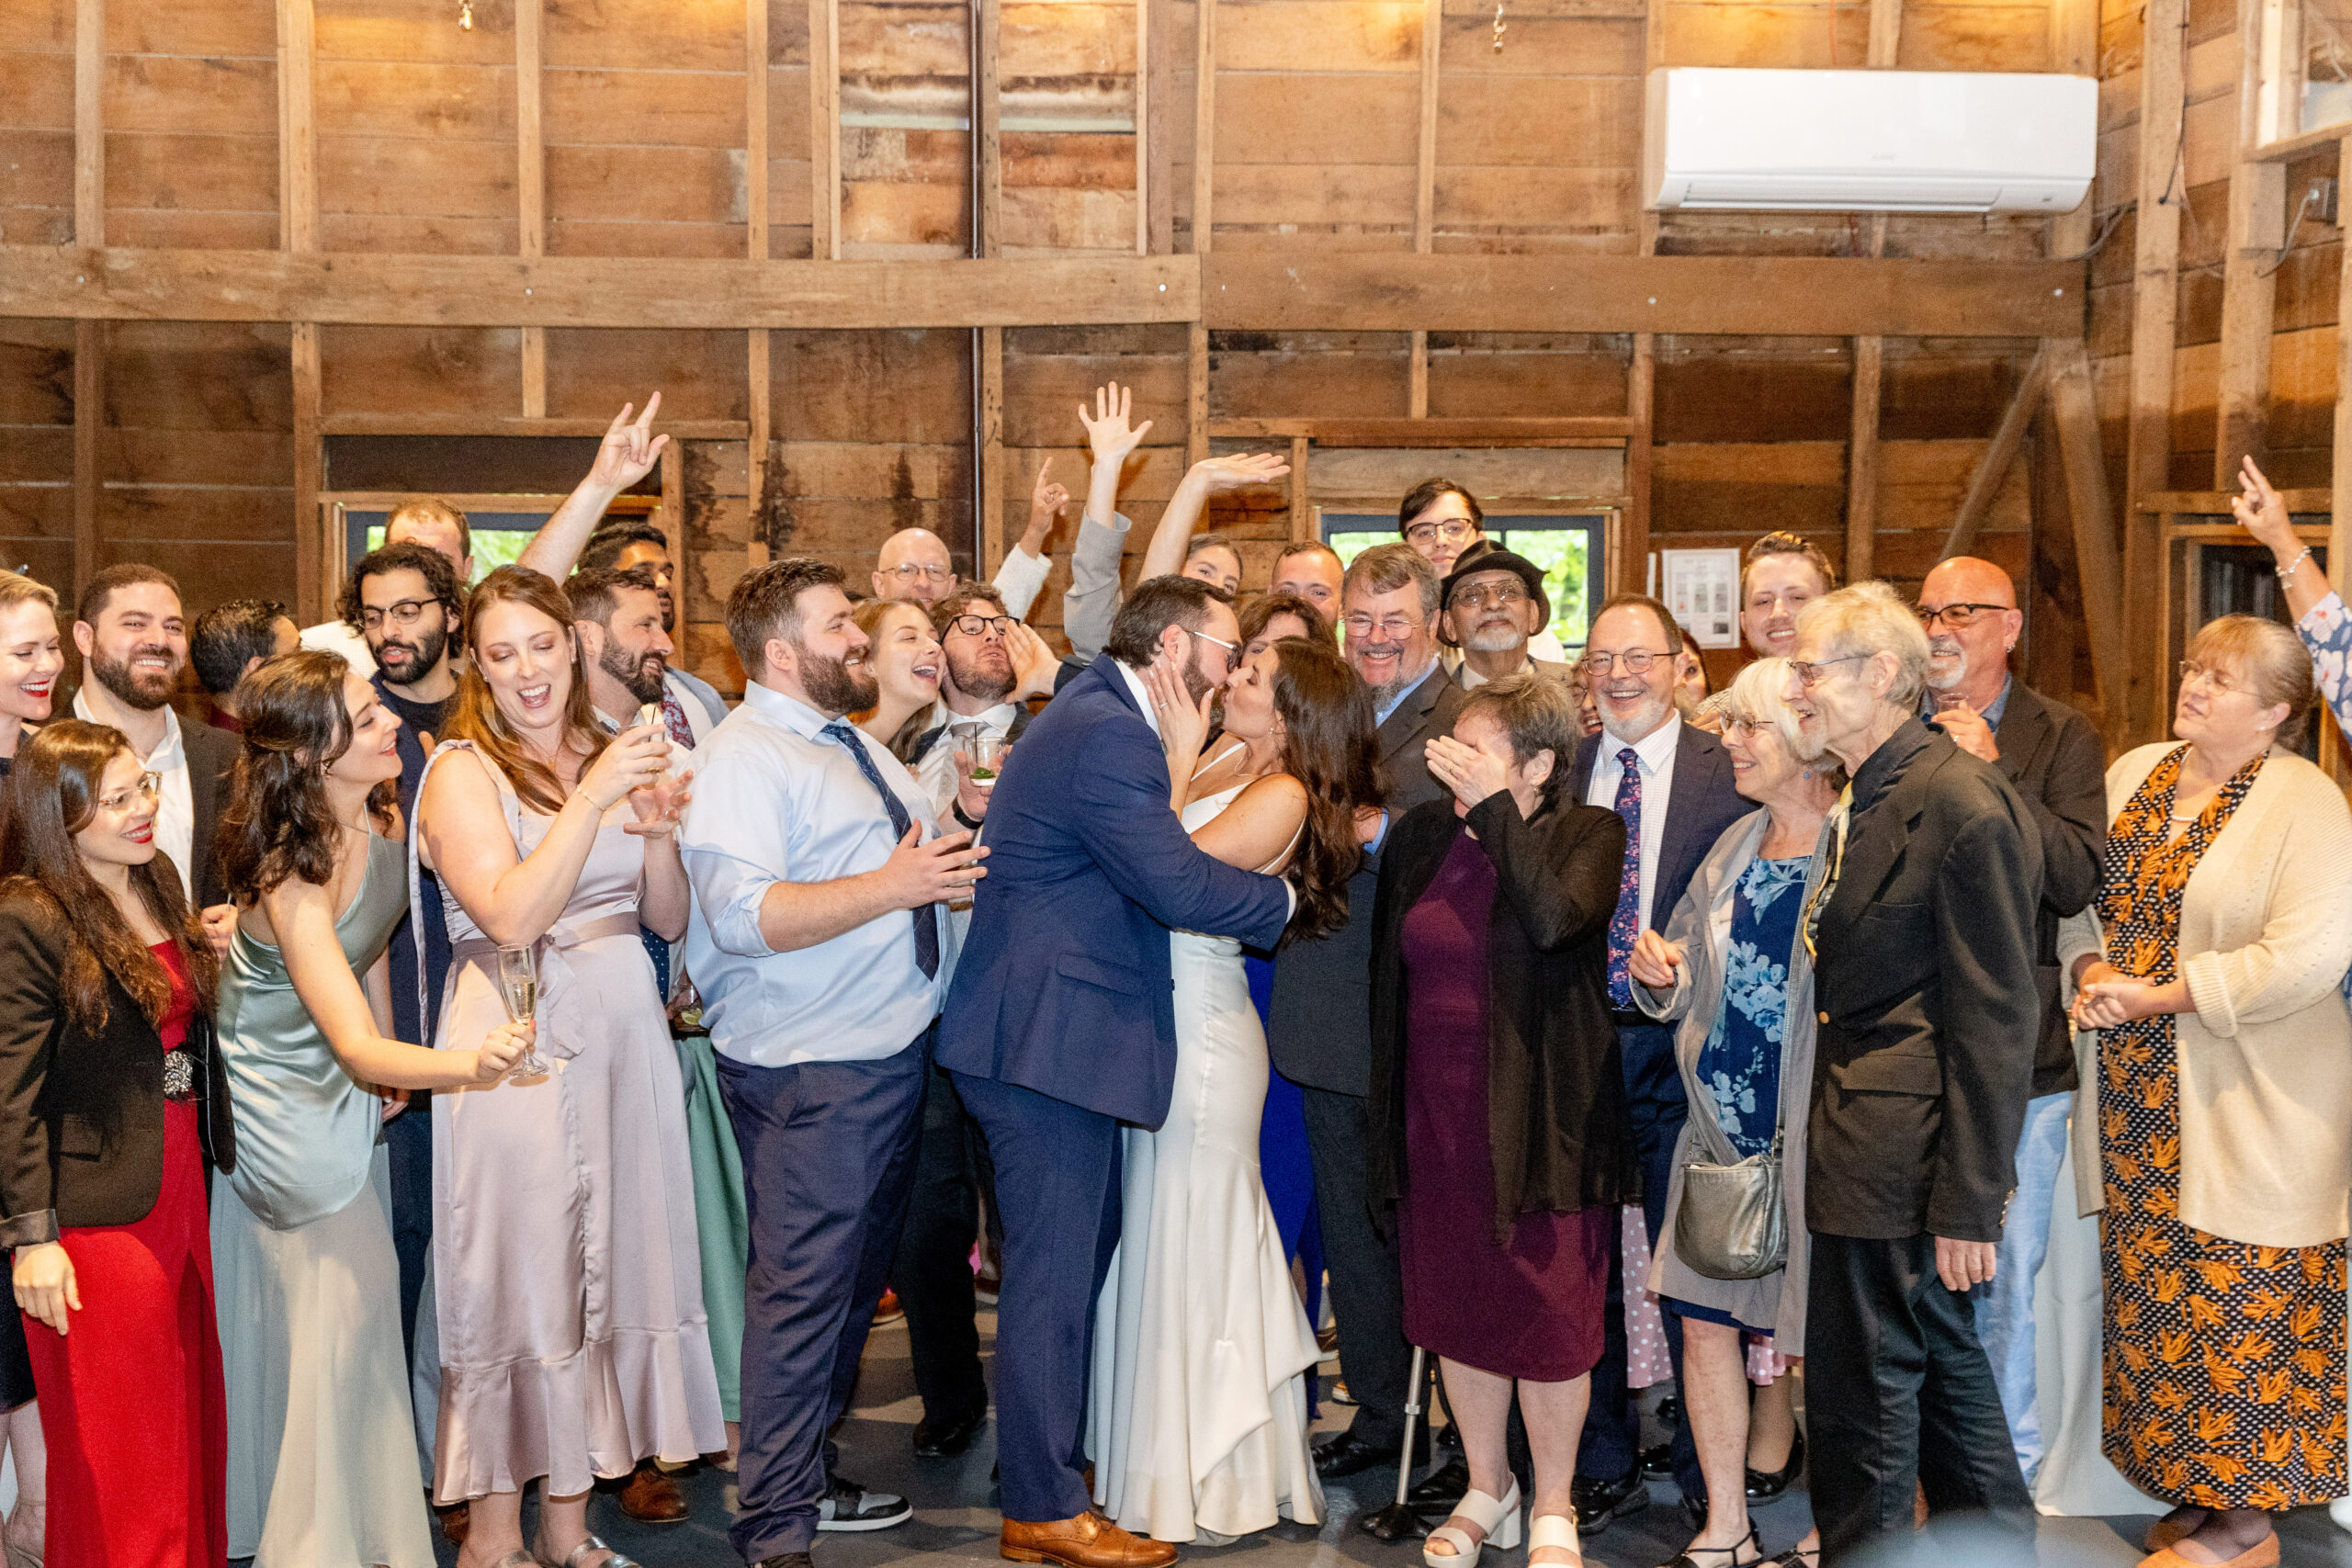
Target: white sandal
x,y
1497,1521
1555,1530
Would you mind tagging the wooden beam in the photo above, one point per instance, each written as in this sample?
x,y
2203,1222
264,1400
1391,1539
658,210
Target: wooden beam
x,y
1629,573
1144,9
759,376
1158,146
2074,51
313,594
988,532
2155,293
1302,510
1603,431
348,423
89,122
2075,414
298,227
2339,530
2216,502
1197,427
530,189
1795,296
672,520
988,124
1425,188
824,131
298,141
2257,221
1204,126
1862,461
2287,148
762,425
1993,466
1887,33
89,446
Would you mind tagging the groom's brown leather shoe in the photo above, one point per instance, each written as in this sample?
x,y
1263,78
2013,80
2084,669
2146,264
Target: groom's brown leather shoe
x,y
1089,1540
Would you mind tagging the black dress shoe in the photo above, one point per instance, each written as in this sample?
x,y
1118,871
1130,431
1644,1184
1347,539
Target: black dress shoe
x,y
1669,1410
1441,1488
785,1559
1657,1461
1348,1454
945,1439
1598,1502
1763,1486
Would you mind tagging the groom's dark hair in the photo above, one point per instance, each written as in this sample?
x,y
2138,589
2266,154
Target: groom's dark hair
x,y
1157,603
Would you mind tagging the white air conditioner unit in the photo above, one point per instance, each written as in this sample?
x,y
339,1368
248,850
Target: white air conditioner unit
x,y
1868,140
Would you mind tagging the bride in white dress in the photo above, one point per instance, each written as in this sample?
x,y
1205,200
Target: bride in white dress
x,y
1197,1421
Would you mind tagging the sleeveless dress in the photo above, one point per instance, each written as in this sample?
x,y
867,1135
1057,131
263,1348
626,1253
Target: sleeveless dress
x,y
1198,1416
566,1278
323,1470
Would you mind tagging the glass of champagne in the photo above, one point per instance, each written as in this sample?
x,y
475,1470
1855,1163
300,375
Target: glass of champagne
x,y
519,984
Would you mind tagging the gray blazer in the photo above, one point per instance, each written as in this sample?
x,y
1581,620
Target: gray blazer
x,y
1702,926
1092,599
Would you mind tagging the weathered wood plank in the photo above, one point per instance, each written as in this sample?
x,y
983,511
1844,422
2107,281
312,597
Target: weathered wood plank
x,y
1993,467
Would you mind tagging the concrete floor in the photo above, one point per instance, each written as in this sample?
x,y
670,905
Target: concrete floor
x,y
955,1522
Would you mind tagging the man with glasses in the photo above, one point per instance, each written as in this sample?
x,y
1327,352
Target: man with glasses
x,y
1673,784
429,521
2057,764
1320,1028
1445,527
1492,605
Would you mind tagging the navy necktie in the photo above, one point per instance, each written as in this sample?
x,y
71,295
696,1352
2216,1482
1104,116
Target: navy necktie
x,y
926,918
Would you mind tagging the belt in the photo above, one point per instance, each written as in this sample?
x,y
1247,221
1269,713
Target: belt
x,y
1629,1018
559,1031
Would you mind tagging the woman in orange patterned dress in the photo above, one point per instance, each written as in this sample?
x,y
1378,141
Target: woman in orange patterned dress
x,y
2216,1130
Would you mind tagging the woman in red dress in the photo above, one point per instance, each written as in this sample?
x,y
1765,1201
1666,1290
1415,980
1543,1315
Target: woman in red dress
x,y
111,1099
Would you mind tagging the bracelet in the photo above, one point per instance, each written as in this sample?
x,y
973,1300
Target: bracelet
x,y
2288,570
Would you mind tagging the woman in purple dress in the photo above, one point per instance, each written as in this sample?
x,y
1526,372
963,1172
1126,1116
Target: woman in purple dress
x,y
1497,1107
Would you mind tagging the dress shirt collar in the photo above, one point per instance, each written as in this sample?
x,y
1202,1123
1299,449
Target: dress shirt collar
x,y
166,756
1882,767
1472,679
1654,750
1991,712
992,720
1381,713
1143,692
788,711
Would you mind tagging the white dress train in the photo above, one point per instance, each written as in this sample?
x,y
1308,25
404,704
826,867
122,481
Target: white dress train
x,y
1197,1421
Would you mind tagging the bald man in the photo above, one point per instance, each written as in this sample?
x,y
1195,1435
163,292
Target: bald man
x,y
914,564
2055,760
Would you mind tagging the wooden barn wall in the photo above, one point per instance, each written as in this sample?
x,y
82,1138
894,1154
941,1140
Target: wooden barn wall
x,y
646,148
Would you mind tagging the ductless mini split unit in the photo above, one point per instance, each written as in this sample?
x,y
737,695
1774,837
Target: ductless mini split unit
x,y
1868,140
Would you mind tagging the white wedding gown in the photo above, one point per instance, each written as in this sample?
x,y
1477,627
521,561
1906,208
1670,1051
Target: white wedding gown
x,y
1197,1419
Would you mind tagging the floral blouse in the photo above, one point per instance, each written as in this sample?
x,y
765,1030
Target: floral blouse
x,y
1740,1063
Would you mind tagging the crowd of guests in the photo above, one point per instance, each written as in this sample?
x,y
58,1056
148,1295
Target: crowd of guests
x,y
359,1148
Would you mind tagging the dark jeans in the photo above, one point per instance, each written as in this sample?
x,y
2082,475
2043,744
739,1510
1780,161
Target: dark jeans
x,y
408,1145
829,1151
1899,1394
1367,1281
932,1269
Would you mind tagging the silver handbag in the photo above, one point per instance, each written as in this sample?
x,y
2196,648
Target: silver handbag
x,y
1733,1220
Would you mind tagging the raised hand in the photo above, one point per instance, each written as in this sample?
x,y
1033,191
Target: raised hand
x,y
2262,512
630,448
1109,432
661,805
1046,499
631,761
1035,665
1218,475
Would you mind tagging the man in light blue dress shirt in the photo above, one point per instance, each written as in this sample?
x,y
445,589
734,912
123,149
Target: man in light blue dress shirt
x,y
819,874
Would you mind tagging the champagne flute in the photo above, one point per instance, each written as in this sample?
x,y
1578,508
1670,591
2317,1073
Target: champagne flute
x,y
519,984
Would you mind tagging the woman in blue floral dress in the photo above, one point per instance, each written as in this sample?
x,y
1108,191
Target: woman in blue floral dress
x,y
1732,968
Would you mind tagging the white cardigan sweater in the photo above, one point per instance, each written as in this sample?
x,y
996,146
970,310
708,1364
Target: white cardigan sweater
x,y
2266,1059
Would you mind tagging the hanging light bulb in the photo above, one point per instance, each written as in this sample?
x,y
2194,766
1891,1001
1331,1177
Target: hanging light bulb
x,y
466,16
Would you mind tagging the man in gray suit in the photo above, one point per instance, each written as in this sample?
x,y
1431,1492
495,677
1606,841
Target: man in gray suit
x,y
1320,1034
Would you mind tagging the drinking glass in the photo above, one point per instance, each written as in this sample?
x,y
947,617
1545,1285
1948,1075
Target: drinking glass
x,y
988,759
519,984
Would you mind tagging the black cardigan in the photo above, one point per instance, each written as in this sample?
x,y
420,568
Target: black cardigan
x,y
1555,1091
82,1115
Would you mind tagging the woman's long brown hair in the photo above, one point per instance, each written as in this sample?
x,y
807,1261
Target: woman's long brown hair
x,y
53,790
478,719
1329,745
277,824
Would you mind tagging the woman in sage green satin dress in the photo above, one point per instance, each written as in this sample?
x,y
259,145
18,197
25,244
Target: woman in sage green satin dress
x,y
323,1466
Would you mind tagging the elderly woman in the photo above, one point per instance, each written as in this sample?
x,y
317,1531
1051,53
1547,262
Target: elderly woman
x,y
1732,968
2217,1135
1922,932
1498,1105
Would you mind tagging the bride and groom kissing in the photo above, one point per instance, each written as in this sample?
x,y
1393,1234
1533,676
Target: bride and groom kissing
x,y
1100,1029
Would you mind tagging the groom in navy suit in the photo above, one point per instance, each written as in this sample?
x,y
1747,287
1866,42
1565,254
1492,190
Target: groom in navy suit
x,y
1061,1024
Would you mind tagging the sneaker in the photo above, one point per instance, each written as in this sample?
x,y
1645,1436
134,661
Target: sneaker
x,y
849,1506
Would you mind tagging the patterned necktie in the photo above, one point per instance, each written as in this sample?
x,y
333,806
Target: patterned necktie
x,y
673,719
926,918
1626,923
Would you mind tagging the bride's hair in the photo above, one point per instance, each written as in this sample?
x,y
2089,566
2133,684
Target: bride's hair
x,y
1328,746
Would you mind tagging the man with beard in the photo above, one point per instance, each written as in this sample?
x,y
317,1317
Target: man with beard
x,y
1781,573
816,942
1320,1028
980,693
428,521
1493,604
617,614
134,645
2057,764
1673,784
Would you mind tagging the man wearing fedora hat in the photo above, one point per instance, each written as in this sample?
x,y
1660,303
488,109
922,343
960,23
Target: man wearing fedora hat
x,y
1490,605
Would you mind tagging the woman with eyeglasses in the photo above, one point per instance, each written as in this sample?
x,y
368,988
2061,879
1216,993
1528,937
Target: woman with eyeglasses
x,y
112,1102
2215,1132
1733,970
1926,1015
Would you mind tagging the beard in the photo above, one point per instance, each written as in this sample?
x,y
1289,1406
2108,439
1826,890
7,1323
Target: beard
x,y
643,676
1640,722
980,681
1947,664
144,694
669,613
1495,639
419,659
833,688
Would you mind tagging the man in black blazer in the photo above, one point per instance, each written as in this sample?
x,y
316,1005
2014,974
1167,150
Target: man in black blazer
x,y
1924,950
2055,760
1319,1031
1677,799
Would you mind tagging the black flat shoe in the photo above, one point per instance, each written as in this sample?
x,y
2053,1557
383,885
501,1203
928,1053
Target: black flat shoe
x,y
1657,1461
1599,1502
1764,1485
1348,1454
1723,1556
945,1439
1442,1488
1798,1557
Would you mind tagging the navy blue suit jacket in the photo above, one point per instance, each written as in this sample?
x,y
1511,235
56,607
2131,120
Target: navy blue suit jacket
x,y
1064,985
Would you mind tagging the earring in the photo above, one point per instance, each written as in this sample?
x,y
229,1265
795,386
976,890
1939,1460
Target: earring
x,y
1808,772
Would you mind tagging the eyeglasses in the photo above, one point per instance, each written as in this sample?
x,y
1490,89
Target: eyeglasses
x,y
144,793
1230,647
405,613
2191,670
1637,661
1959,617
1501,595
1396,628
910,570
1453,533
980,626
1808,671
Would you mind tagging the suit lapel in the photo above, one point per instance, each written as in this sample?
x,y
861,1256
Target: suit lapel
x,y
1697,756
1412,715
2022,733
1580,772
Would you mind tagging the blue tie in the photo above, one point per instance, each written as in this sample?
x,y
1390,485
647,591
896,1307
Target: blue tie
x,y
1626,923
926,918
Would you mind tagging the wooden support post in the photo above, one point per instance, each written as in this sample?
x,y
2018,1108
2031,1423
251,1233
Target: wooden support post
x,y
2339,529
2250,260
89,122
298,224
761,438
530,189
824,131
671,517
1196,399
988,124
2137,714
1993,466
1160,71
1425,187
312,593
2075,414
89,446
1862,462
1630,572
988,500
1302,511
1143,126
1887,33
988,539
